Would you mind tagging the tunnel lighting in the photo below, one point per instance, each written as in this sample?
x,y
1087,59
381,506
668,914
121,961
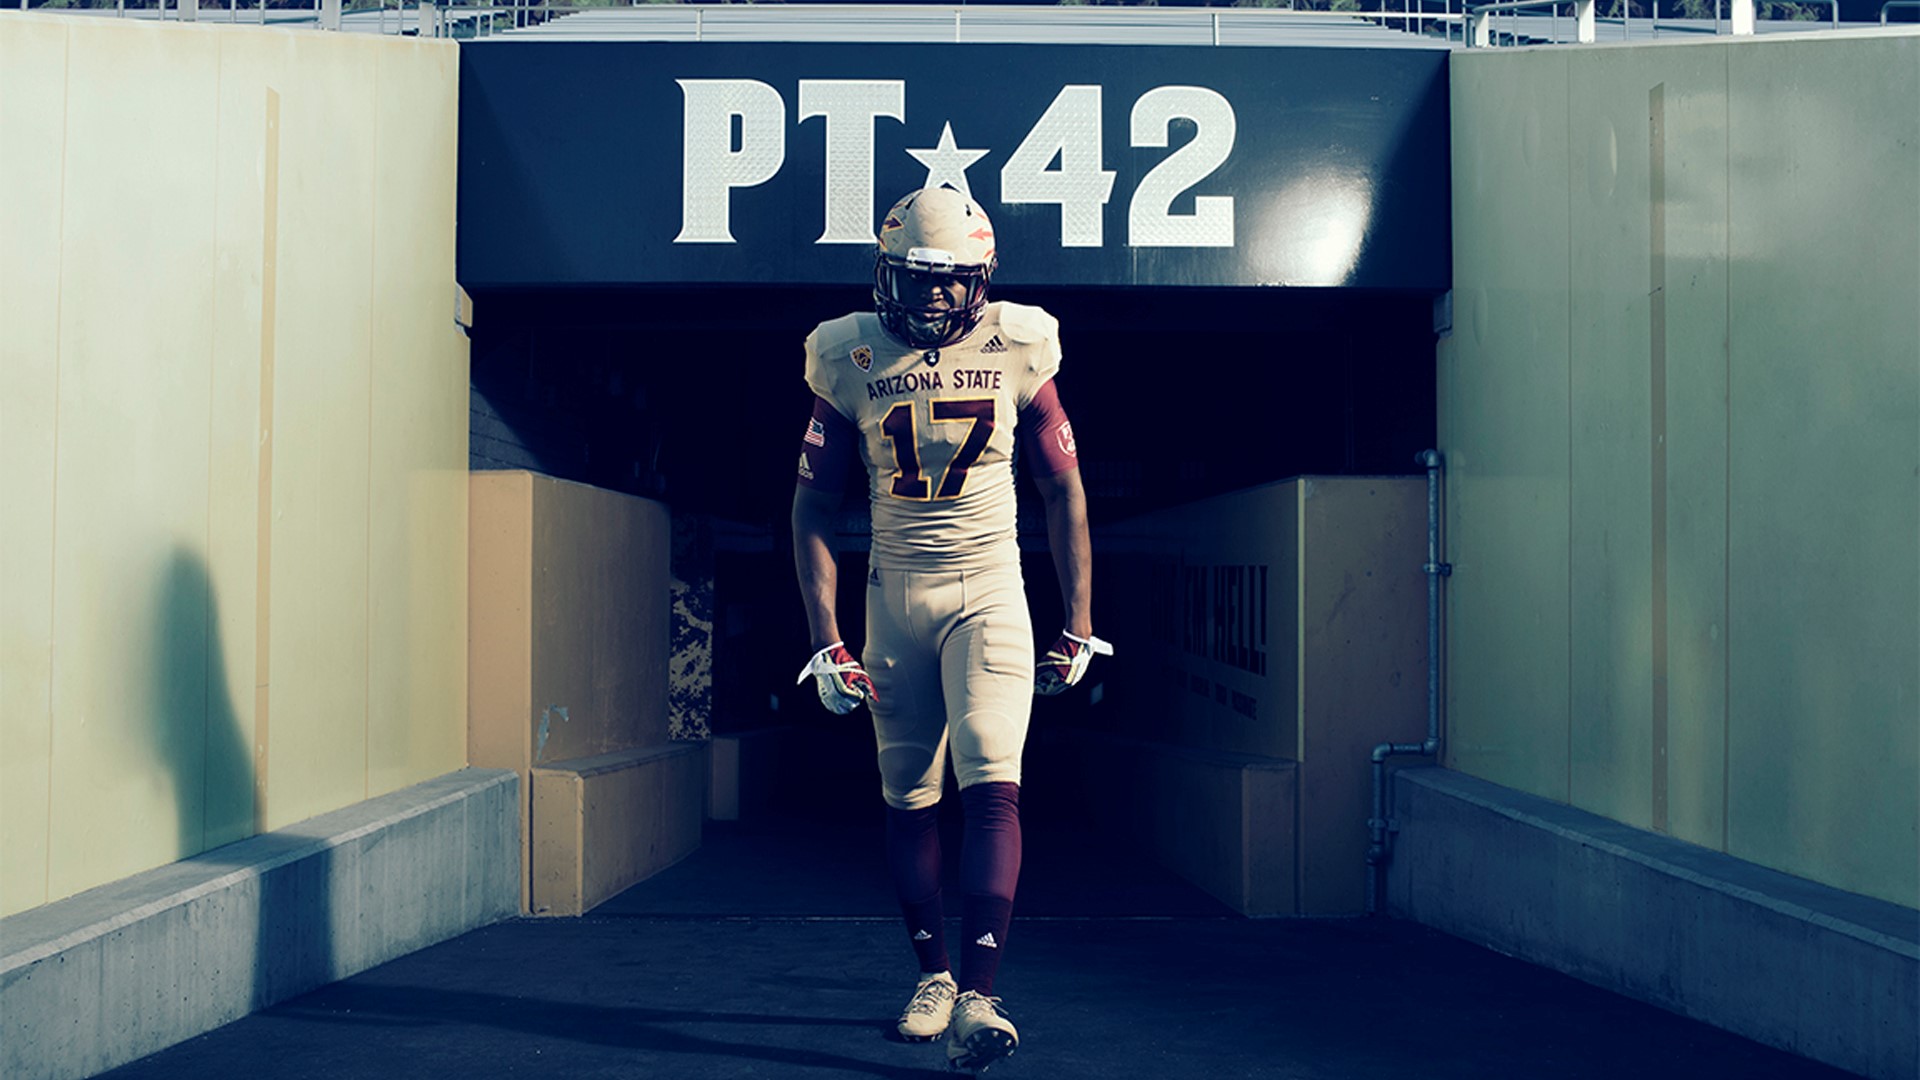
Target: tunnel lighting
x,y
1315,228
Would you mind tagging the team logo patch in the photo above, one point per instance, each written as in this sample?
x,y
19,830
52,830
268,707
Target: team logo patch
x,y
816,434
862,357
1064,436
994,344
806,467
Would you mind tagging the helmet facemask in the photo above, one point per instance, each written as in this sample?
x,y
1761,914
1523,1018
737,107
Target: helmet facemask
x,y
934,235
919,315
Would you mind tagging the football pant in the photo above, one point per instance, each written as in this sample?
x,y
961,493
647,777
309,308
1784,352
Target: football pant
x,y
1065,663
840,680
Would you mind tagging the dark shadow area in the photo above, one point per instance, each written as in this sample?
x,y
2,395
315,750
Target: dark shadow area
x,y
695,999
199,740
696,395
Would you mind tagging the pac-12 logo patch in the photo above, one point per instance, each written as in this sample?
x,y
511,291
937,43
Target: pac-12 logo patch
x,y
1064,436
862,357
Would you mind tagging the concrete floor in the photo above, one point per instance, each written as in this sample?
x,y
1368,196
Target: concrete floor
x,y
773,952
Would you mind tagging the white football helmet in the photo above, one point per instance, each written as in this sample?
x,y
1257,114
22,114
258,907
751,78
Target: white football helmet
x,y
936,231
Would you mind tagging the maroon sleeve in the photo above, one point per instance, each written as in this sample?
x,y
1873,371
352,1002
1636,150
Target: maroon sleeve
x,y
1049,437
827,450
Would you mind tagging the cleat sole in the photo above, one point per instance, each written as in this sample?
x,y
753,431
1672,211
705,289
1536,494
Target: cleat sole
x,y
904,1037
981,1050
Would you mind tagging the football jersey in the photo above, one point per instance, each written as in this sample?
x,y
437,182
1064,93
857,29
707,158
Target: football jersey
x,y
936,429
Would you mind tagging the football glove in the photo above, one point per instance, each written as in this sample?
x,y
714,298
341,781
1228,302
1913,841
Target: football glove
x,y
1066,662
843,684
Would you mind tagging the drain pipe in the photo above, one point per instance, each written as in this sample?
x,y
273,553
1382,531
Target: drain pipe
x,y
1380,828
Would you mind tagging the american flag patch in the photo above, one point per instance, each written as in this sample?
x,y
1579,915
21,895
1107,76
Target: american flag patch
x,y
816,434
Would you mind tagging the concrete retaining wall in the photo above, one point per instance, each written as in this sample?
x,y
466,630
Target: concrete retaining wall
x,y
120,971
1785,961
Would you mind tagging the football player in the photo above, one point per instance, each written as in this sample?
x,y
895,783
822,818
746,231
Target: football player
x,y
928,391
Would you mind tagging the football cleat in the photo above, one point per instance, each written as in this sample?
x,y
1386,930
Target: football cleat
x,y
842,683
980,1033
1066,662
939,233
925,1017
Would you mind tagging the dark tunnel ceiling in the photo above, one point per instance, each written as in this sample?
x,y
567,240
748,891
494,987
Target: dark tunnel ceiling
x,y
695,395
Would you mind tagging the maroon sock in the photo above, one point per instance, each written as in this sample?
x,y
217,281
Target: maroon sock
x,y
989,871
913,857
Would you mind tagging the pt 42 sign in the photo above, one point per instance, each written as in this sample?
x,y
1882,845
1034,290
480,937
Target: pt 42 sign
x,y
735,135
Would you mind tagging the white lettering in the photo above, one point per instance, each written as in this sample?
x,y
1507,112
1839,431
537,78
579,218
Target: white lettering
x,y
851,106
710,166
1150,220
1070,130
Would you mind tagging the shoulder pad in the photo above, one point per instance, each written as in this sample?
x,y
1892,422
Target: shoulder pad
x,y
1026,324
835,335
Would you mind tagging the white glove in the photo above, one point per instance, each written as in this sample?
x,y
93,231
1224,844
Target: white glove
x,y
1066,662
843,684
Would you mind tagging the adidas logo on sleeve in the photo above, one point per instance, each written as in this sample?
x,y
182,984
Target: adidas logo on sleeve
x,y
987,940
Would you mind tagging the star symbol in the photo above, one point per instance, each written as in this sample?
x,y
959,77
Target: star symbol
x,y
947,163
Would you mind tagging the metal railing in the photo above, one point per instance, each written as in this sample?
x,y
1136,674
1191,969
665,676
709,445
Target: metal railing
x,y
1477,23
697,23
1741,14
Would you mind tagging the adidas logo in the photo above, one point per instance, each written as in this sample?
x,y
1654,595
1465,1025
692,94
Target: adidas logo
x,y
921,935
806,467
994,344
987,938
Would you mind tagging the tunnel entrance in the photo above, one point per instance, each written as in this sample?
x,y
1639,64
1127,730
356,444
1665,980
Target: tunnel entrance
x,y
694,397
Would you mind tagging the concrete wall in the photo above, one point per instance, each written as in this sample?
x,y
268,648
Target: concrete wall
x,y
1827,974
233,414
1286,623
120,971
1681,408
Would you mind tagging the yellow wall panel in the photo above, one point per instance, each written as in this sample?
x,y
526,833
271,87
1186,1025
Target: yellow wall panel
x,y
418,495
32,81
1694,104
1743,487
249,65
192,288
1363,607
598,669
1824,577
1183,566
1506,428
318,700
132,586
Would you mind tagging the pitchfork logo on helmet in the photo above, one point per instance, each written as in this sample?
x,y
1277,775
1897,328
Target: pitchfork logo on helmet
x,y
942,234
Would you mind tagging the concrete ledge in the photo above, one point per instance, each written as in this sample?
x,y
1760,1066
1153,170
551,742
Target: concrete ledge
x,y
118,972
744,777
1829,975
1223,821
603,823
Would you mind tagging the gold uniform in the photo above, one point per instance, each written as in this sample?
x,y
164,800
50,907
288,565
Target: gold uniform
x,y
949,641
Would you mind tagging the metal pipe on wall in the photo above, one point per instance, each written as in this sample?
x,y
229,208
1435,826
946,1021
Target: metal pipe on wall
x,y
1380,827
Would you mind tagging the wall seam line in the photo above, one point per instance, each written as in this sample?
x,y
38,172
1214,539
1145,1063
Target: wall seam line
x,y
1567,186
373,304
263,462
53,532
213,365
1726,516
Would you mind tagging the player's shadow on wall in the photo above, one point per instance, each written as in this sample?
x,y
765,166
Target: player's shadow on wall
x,y
201,743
